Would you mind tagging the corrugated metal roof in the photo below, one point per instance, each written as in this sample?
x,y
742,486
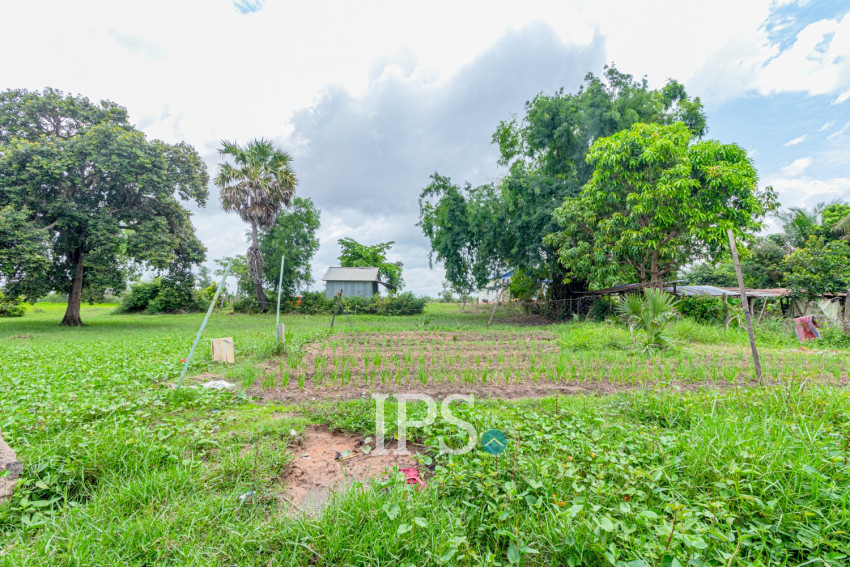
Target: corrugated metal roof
x,y
351,275
716,291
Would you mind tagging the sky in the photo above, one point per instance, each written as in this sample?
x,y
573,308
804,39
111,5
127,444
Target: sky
x,y
371,98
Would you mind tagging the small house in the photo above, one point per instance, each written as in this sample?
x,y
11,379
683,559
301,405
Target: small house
x,y
496,288
353,282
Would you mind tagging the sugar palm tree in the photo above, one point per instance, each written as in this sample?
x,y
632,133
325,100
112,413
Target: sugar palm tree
x,y
258,185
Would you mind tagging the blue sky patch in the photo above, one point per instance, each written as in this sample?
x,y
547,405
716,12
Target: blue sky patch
x,y
249,6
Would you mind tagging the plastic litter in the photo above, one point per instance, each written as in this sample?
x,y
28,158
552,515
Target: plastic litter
x,y
411,476
217,385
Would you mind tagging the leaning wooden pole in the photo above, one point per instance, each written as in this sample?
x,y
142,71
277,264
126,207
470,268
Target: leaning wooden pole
x,y
747,316
204,323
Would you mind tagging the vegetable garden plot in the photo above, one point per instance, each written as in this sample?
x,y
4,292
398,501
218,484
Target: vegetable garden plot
x,y
509,364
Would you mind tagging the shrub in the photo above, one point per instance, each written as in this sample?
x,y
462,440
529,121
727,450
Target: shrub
x,y
10,307
162,295
401,304
248,305
702,308
601,309
176,296
357,304
649,313
313,302
139,297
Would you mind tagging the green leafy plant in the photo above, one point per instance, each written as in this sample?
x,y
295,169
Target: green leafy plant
x,y
650,314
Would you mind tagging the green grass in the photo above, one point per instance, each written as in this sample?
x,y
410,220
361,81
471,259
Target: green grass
x,y
121,469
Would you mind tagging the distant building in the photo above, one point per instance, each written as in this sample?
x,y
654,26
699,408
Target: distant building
x,y
354,282
496,289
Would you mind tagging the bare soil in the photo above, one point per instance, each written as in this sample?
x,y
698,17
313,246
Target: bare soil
x,y
317,473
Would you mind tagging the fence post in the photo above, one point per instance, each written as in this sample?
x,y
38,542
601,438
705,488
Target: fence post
x,y
279,291
336,307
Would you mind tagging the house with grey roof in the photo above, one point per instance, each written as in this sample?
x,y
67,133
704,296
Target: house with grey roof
x,y
359,282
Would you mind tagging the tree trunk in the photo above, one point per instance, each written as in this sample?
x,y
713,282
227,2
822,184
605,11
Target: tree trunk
x,y
255,262
72,312
655,279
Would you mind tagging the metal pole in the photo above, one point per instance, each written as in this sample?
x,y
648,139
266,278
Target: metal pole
x,y
279,291
204,324
747,316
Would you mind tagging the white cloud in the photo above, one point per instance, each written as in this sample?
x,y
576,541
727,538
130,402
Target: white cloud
x,y
816,63
807,191
796,167
795,141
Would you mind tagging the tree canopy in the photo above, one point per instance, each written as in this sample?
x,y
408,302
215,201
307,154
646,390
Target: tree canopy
x,y
100,192
656,202
293,235
544,154
819,267
356,255
257,186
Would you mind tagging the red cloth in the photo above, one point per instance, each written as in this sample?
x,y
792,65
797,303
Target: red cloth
x,y
411,476
806,328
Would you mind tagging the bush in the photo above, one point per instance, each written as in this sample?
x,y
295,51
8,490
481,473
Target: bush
x,y
833,335
703,309
401,304
177,296
357,304
601,309
139,297
162,295
10,307
248,305
313,302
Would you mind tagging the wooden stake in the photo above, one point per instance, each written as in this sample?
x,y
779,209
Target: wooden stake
x,y
763,307
744,304
336,307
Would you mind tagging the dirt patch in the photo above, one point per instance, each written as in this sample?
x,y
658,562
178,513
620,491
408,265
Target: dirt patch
x,y
12,468
316,473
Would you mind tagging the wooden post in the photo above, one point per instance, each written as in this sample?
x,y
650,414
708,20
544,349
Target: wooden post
x,y
725,310
222,350
763,307
336,307
279,291
749,319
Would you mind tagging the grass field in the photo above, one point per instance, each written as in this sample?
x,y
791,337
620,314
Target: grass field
x,y
691,464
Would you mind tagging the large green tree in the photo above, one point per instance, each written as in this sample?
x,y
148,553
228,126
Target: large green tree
x,y
544,153
100,191
656,202
293,235
456,220
355,255
257,186
819,267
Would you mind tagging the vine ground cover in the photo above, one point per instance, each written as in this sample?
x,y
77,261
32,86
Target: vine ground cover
x,y
121,469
